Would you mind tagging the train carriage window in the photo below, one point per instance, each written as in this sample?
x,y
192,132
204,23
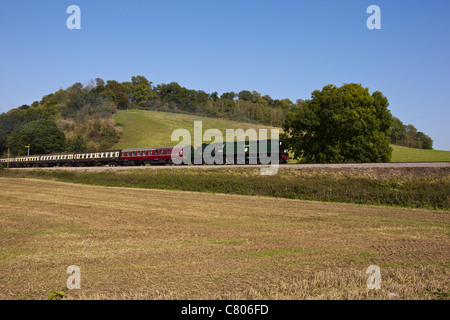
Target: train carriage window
x,y
134,153
160,151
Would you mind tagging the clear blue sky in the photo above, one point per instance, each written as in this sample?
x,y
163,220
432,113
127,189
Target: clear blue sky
x,y
286,49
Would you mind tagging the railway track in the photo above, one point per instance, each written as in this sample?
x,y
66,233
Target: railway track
x,y
290,166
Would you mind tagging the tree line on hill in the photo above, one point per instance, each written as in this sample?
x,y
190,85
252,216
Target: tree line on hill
x,y
81,117
408,136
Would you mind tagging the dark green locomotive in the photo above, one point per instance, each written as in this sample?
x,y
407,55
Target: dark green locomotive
x,y
241,152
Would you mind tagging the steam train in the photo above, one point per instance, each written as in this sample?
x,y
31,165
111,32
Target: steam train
x,y
247,152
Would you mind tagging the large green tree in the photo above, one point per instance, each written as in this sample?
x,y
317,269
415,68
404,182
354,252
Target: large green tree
x,y
43,136
341,124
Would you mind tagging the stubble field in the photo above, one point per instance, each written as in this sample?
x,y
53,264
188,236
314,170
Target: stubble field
x,y
156,244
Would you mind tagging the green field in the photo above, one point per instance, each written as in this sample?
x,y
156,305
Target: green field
x,y
141,128
403,154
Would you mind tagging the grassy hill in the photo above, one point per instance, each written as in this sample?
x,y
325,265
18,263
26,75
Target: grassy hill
x,y
141,128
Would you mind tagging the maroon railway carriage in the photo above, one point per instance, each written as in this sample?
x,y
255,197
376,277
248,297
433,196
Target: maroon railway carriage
x,y
156,155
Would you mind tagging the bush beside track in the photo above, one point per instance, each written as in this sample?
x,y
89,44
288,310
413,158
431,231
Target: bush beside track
x,y
413,187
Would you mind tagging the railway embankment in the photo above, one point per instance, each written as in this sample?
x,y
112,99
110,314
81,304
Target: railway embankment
x,y
412,187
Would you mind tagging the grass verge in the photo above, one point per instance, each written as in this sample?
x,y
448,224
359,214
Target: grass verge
x,y
415,188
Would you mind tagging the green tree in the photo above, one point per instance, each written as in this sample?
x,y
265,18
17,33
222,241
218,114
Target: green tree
x,y
43,136
141,91
344,124
398,131
228,95
214,96
245,95
424,141
3,137
76,144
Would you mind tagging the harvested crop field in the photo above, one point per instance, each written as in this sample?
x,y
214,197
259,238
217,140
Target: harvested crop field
x,y
156,244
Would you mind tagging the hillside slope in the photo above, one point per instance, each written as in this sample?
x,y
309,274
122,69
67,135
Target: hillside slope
x,y
142,128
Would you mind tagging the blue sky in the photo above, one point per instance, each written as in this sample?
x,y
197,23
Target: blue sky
x,y
286,49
